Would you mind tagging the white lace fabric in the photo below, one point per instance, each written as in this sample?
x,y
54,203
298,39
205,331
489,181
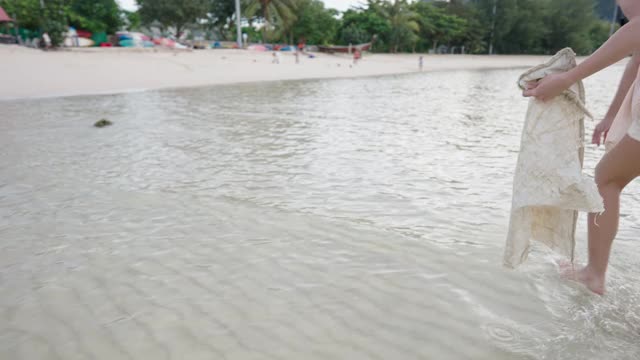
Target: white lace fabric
x,y
549,188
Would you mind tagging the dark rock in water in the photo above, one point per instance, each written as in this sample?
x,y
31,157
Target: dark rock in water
x,y
102,123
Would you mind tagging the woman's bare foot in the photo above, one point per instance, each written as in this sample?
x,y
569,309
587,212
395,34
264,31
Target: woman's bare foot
x,y
586,276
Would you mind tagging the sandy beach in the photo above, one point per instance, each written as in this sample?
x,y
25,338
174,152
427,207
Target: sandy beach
x,y
29,73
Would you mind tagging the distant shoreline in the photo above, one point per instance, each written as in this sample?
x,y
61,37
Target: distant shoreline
x,y
31,74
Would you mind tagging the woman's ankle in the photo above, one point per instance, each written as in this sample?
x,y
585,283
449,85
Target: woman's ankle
x,y
593,273
593,279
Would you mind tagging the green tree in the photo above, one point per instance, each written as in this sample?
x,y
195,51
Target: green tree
x,y
26,12
252,34
131,19
498,23
403,25
175,14
315,23
473,36
95,15
571,23
362,24
523,28
273,13
599,33
219,14
438,27
32,16
54,20
541,26
354,34
518,26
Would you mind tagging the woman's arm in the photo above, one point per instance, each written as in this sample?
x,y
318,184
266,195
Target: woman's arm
x,y
628,77
602,129
624,42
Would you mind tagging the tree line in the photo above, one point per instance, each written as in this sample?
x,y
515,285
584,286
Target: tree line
x,y
477,26
54,16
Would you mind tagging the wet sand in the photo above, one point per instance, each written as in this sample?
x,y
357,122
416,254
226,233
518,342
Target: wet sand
x,y
28,73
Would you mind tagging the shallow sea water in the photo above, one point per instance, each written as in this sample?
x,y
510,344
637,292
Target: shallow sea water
x,y
333,219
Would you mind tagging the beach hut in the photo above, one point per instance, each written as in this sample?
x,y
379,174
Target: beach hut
x,y
5,19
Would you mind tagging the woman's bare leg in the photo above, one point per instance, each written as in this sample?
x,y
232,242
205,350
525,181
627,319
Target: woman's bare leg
x,y
616,169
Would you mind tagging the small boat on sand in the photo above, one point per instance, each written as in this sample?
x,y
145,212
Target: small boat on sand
x,y
345,49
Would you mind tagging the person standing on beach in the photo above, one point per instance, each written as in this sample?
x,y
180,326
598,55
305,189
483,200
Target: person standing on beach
x,y
621,164
276,58
297,55
421,62
47,41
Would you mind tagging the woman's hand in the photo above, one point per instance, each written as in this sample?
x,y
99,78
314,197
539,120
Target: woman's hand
x,y
548,87
601,131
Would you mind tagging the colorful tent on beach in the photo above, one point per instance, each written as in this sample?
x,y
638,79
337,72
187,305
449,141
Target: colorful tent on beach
x,y
257,48
4,17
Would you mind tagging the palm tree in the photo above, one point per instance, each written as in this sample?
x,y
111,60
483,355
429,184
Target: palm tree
x,y
272,12
403,24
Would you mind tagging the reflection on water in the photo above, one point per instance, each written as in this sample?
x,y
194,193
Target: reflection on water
x,y
341,219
